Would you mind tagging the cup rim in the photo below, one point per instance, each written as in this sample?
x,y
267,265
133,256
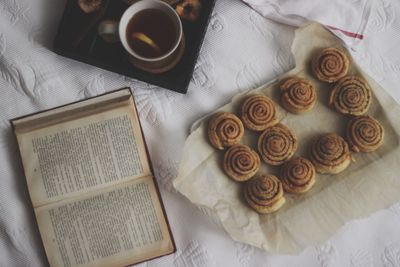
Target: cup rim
x,y
122,30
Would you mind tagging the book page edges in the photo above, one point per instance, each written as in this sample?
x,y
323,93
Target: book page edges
x,y
71,111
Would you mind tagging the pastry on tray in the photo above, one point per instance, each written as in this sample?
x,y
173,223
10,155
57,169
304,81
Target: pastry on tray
x,y
224,130
329,65
297,175
330,154
89,6
364,134
258,112
264,193
241,163
277,144
351,95
298,95
188,9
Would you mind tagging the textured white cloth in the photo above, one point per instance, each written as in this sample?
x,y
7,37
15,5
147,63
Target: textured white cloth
x,y
346,18
242,50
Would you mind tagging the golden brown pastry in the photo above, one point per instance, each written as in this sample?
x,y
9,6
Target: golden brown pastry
x,y
258,112
277,144
264,194
364,134
189,9
298,95
330,154
241,163
329,65
225,130
298,175
351,95
89,6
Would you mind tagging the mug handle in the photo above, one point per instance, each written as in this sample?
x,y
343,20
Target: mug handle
x,y
108,31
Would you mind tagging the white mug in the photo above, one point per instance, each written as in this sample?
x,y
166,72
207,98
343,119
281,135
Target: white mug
x,y
110,28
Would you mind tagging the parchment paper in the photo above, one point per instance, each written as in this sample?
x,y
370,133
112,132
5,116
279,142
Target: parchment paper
x,y
369,184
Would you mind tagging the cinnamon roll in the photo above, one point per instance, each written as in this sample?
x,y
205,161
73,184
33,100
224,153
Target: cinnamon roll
x,y
351,95
264,194
225,130
298,175
364,134
330,154
298,95
277,144
241,163
258,112
329,65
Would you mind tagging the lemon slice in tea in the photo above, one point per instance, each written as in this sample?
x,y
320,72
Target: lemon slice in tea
x,y
147,40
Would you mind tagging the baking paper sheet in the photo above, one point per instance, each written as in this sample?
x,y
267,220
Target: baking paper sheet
x,y
369,184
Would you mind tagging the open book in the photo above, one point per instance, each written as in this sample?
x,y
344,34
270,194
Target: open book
x,y
91,184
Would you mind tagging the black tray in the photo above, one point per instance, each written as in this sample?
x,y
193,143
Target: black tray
x,y
93,50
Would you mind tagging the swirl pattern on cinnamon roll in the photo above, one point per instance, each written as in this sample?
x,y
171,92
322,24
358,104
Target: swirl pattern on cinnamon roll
x,y
241,163
364,134
351,95
298,95
298,175
264,194
330,154
277,144
258,112
224,130
329,65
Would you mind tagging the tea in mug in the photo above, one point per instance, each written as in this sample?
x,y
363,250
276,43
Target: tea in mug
x,y
151,33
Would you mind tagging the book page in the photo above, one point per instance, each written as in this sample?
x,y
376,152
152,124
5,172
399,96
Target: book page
x,y
83,154
117,226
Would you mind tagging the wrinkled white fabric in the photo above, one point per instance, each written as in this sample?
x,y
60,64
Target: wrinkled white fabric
x,y
346,18
242,50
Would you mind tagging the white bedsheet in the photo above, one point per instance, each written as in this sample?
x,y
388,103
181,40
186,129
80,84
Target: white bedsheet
x,y
242,50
